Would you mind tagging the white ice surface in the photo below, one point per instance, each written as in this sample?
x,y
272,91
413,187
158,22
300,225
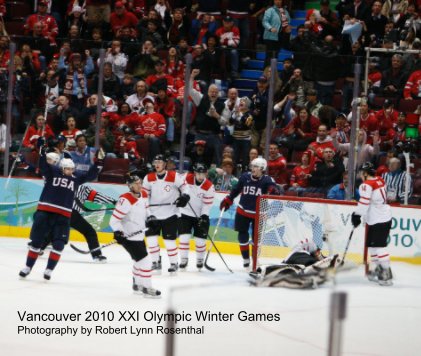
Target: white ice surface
x,y
380,320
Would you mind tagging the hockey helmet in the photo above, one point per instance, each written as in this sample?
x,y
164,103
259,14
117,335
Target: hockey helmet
x,y
200,168
160,157
67,163
132,177
53,156
368,168
259,162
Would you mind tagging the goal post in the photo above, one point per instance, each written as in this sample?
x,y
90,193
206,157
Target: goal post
x,y
282,222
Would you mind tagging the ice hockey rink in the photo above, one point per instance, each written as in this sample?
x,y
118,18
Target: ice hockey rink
x,y
380,320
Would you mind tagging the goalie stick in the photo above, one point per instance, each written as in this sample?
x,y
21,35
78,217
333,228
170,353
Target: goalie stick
x,y
103,246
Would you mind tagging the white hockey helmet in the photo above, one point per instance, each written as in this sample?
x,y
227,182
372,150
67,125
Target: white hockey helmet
x,y
67,163
259,162
53,157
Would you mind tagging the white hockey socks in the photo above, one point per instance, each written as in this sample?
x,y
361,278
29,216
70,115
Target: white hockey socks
x,y
200,248
184,243
383,257
142,272
154,248
373,257
172,251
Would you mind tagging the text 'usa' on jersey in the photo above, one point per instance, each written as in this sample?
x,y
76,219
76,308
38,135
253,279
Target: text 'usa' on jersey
x,y
250,188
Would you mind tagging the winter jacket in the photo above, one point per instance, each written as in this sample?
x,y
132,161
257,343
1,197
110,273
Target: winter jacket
x,y
272,19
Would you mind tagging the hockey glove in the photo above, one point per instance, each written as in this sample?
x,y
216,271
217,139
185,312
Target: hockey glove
x,y
119,237
203,224
152,222
225,204
182,200
355,220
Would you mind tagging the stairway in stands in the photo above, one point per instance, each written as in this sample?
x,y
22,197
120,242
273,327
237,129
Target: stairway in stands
x,y
254,67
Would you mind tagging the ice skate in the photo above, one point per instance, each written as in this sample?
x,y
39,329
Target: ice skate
x,y
157,266
24,272
47,274
173,268
246,262
100,259
150,292
385,276
183,264
199,264
372,274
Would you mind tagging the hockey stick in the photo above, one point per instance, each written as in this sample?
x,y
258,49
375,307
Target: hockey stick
x,y
213,244
103,246
347,246
163,204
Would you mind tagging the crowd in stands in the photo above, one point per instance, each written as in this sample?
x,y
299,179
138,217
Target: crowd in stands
x,y
57,67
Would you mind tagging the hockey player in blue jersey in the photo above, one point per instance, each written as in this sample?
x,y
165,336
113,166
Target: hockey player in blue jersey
x,y
54,210
250,186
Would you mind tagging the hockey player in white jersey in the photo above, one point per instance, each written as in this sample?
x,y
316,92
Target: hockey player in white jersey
x,y
195,215
373,207
129,221
167,192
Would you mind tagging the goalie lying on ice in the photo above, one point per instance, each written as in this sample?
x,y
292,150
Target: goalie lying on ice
x,y
304,267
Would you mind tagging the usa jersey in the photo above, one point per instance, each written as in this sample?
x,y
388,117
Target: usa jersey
x,y
250,188
372,204
130,214
59,189
163,191
201,197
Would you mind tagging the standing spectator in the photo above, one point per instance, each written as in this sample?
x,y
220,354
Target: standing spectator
x,y
121,17
393,79
202,27
395,181
106,137
61,112
208,116
142,64
277,166
202,62
375,23
111,83
179,27
259,108
275,20
313,105
165,105
239,11
150,32
328,172
338,191
98,11
223,178
117,59
229,38
242,121
231,104
216,57
49,24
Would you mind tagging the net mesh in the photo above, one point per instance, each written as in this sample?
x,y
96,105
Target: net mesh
x,y
284,223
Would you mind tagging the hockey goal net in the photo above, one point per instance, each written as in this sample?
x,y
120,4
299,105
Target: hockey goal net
x,y
282,222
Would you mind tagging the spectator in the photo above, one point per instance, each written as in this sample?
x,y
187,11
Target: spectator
x,y
98,11
106,137
143,63
208,116
357,9
61,112
298,85
174,65
127,86
70,132
393,80
150,126
286,72
301,130
259,108
212,7
313,105
342,129
412,88
179,27
223,178
200,152
160,76
395,181
38,129
83,156
384,168
121,17
400,129
77,18
165,105
242,120
328,19
49,24
387,118
47,87
338,191
275,20
323,140
202,27
239,11
111,84
117,59
128,148
164,10
202,62
328,172
216,57
374,24
39,43
301,174
230,105
229,38
151,33
368,121
277,166
138,100
76,73
253,153
364,151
